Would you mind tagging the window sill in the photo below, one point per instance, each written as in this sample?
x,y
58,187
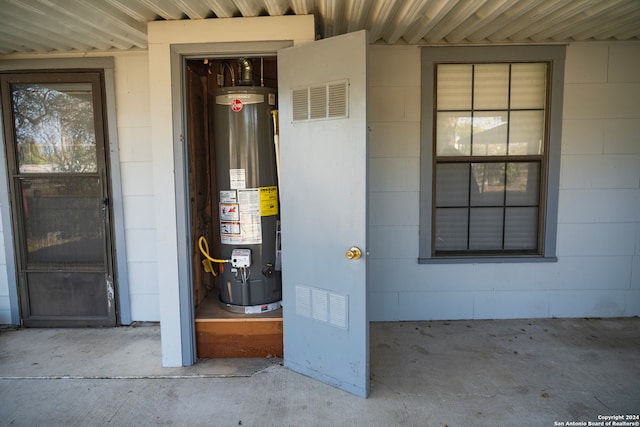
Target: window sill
x,y
486,260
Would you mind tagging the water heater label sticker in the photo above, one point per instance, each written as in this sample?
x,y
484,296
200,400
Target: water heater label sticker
x,y
250,229
229,212
228,196
237,178
269,201
249,200
229,227
250,221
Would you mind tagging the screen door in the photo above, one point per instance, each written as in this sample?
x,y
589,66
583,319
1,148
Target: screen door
x,y
54,133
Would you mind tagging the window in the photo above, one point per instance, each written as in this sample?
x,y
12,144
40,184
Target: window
x,y
490,152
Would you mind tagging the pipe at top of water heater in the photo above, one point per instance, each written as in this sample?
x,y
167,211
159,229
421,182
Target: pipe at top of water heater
x,y
231,73
246,72
276,143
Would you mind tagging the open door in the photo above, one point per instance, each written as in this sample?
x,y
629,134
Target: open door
x,y
323,146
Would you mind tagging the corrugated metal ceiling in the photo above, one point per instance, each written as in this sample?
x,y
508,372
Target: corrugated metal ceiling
x,y
85,25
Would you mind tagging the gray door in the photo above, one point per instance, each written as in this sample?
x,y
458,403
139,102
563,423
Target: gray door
x,y
323,143
54,135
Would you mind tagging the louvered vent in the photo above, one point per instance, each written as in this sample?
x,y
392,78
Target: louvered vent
x,y
328,101
317,102
300,100
338,99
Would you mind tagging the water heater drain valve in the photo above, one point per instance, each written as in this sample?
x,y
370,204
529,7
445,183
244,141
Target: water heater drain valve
x,y
241,258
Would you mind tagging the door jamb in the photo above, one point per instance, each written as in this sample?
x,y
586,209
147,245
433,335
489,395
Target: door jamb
x,y
7,227
179,55
169,41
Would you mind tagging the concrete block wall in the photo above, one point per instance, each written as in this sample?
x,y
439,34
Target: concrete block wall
x,y
134,141
134,138
599,212
598,268
598,271
5,311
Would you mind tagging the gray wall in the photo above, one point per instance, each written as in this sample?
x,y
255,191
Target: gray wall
x,y
598,268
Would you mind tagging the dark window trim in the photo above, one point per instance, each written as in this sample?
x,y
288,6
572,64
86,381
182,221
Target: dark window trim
x,y
431,55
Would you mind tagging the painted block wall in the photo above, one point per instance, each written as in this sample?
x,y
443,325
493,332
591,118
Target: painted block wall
x,y
133,116
598,268
598,271
134,138
5,312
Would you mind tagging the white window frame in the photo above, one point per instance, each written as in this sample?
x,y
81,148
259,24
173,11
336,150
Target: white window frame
x,y
430,56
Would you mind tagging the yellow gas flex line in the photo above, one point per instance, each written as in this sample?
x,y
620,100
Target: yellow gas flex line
x,y
205,251
204,248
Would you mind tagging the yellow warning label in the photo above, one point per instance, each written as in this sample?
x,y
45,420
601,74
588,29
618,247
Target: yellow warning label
x,y
269,201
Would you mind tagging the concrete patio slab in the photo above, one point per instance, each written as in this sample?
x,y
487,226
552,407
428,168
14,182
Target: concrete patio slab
x,y
537,372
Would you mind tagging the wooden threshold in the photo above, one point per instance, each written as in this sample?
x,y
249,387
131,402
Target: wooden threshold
x,y
223,334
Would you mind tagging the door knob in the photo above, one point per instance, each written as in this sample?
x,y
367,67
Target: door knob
x,y
354,253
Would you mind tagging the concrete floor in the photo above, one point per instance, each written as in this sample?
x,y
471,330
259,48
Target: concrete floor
x,y
458,373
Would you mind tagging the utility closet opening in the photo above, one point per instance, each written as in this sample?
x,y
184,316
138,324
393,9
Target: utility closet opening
x,y
234,216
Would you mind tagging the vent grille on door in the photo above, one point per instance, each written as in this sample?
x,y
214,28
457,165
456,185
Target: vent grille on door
x,y
300,101
323,305
328,101
318,102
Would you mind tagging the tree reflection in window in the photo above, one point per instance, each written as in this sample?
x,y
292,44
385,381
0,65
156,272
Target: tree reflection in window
x,y
54,125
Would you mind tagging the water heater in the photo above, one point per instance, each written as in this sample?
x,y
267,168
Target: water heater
x,y
247,198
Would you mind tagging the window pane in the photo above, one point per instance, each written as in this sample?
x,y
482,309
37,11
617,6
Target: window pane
x,y
491,87
485,229
498,140
487,185
454,86
453,132
489,134
451,229
521,228
528,85
526,133
54,127
452,184
523,184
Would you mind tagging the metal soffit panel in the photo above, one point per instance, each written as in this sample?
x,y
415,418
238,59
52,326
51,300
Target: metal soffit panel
x,y
86,25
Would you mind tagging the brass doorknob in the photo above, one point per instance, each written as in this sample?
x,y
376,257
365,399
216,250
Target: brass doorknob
x,y
354,253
